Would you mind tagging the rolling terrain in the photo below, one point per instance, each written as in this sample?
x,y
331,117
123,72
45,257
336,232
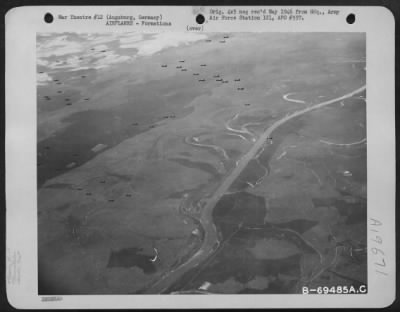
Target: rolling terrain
x,y
167,162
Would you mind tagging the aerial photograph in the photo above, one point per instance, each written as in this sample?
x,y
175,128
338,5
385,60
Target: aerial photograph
x,y
201,163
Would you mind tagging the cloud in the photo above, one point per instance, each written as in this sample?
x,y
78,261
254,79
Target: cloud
x,y
58,46
110,59
67,46
42,62
102,38
165,40
101,47
71,62
130,40
42,79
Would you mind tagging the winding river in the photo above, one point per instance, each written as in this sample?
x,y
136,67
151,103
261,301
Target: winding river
x,y
210,242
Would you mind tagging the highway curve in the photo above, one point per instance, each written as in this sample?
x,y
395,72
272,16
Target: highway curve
x,y
210,242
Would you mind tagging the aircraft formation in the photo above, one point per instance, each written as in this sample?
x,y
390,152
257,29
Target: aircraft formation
x,y
58,82
217,76
67,100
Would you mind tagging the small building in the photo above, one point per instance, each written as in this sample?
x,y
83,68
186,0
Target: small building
x,y
205,286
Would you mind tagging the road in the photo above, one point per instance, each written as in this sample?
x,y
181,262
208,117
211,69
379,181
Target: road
x,y
210,234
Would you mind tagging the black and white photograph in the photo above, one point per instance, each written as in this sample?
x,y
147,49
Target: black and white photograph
x,y
201,163
155,154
